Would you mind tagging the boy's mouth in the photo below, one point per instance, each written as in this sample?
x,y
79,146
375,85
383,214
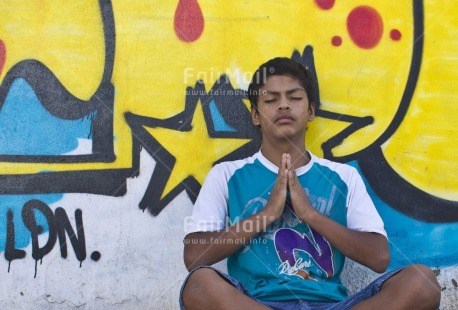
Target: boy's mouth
x,y
284,118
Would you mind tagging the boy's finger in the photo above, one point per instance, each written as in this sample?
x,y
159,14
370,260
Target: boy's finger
x,y
284,178
284,164
291,178
288,161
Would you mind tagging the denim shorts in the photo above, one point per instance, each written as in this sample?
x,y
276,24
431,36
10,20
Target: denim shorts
x,y
347,303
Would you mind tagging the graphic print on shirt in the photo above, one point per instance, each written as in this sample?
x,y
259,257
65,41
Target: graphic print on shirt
x,y
301,250
322,204
303,255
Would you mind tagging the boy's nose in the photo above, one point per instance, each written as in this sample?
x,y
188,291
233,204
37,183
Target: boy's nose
x,y
284,104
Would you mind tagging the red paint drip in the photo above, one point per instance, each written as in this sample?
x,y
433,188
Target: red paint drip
x,y
336,41
325,4
189,20
395,35
2,55
365,26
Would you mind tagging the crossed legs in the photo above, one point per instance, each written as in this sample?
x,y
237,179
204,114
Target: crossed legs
x,y
414,287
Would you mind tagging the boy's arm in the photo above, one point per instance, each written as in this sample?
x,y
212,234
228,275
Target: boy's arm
x,y
208,248
367,248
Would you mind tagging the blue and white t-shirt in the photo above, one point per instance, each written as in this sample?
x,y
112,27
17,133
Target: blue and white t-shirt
x,y
290,260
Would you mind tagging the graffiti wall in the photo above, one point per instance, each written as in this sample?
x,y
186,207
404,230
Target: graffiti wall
x,y
112,112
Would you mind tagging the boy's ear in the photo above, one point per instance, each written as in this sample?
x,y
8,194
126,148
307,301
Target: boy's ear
x,y
311,112
254,116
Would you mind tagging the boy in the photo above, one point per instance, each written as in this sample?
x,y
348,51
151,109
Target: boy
x,y
293,218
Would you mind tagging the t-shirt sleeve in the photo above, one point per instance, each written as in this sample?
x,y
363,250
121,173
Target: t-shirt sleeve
x,y
361,212
210,209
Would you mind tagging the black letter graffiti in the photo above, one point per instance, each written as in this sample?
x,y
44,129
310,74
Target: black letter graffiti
x,y
10,252
58,227
63,225
28,217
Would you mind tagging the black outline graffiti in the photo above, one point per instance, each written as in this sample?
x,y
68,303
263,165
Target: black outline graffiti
x,y
57,100
403,196
235,114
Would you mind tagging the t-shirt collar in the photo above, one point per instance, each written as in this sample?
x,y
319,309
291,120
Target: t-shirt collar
x,y
274,168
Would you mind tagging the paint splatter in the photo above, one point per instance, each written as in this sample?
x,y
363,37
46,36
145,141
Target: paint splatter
x,y
336,41
2,55
95,256
325,4
365,26
189,20
395,35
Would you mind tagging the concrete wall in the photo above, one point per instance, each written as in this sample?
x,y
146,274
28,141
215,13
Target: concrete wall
x,y
113,112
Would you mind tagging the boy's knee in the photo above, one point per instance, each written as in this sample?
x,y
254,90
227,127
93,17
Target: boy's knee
x,y
423,276
423,281
204,288
193,287
198,279
201,282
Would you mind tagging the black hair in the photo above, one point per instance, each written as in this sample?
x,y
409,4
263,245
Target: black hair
x,y
280,66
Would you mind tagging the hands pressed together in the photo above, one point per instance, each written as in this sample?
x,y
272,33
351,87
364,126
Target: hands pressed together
x,y
287,180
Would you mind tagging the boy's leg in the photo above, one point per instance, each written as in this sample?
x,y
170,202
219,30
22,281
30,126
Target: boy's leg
x,y
414,287
207,289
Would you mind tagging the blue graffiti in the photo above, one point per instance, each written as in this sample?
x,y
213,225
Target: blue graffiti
x,y
218,120
412,241
27,128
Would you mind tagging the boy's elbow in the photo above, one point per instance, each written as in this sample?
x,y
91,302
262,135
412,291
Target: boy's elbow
x,y
188,258
380,268
381,262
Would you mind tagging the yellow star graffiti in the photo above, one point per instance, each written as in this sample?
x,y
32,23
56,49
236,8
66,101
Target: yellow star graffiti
x,y
195,151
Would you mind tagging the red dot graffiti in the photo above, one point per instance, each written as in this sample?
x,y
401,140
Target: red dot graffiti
x,y
325,4
395,35
189,20
336,41
2,55
365,26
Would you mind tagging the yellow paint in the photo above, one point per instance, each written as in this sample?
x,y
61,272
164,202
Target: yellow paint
x,y
424,149
66,36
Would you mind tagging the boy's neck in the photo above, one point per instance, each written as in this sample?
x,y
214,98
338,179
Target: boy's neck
x,y
273,152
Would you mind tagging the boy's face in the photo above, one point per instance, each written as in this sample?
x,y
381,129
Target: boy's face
x,y
283,108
